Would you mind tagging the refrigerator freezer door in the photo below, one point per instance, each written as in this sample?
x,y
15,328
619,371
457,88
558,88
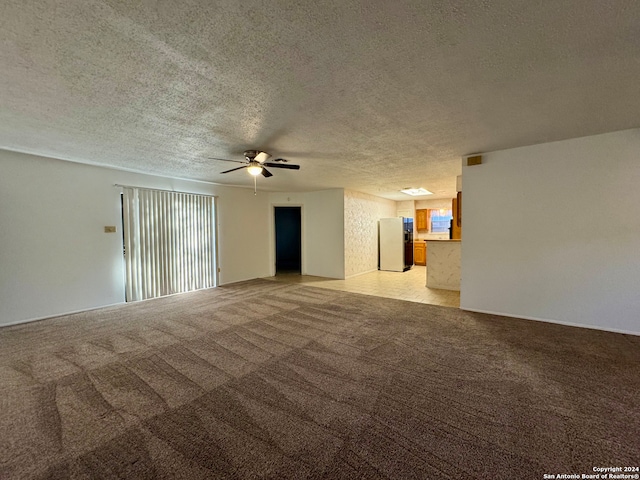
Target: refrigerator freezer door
x,y
392,244
408,243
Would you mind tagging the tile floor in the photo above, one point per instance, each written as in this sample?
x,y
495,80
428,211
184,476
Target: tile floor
x,y
409,285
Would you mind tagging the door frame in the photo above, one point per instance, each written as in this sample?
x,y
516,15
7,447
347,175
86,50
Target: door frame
x,y
272,237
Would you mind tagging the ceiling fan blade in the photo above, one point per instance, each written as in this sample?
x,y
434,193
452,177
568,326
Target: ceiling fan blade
x,y
282,165
262,157
234,169
266,173
226,160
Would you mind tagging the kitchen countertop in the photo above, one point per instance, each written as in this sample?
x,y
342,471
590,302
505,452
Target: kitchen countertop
x,y
447,240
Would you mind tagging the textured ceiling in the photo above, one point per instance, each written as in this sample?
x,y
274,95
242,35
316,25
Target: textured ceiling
x,y
368,95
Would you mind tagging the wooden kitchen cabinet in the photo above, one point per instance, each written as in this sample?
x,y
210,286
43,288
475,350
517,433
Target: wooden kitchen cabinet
x,y
422,219
420,253
456,232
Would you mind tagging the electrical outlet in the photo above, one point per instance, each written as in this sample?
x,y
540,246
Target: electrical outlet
x,y
110,229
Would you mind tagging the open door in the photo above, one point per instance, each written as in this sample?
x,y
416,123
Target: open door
x,y
288,229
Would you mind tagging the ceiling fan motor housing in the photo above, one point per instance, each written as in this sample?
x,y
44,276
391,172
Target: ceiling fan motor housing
x,y
250,154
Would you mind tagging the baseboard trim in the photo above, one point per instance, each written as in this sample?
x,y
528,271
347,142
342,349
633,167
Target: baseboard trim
x,y
361,273
56,315
444,287
73,312
557,322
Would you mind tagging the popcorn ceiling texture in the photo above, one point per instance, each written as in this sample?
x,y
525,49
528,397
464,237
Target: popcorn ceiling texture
x,y
361,215
368,96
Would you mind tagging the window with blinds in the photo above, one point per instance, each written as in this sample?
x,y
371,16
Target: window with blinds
x,y
170,244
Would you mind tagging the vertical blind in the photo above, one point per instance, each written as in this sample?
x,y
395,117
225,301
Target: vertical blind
x,y
169,240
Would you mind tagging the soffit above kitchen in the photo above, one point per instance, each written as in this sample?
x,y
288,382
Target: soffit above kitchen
x,y
373,96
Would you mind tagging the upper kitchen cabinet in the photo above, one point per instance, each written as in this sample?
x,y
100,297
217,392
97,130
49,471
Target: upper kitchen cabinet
x,y
422,219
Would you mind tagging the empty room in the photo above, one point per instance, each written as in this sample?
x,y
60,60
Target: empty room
x,y
323,240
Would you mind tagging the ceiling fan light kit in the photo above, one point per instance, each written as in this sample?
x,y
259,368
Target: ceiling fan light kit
x,y
254,169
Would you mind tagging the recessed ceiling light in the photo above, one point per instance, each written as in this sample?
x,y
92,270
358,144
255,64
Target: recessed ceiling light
x,y
416,191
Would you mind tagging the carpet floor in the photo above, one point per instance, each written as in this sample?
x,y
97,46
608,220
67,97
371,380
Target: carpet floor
x,y
267,380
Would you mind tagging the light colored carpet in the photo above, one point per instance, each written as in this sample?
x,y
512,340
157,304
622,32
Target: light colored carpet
x,y
267,380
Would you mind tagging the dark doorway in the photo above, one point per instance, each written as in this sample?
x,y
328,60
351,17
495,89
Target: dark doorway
x,y
288,240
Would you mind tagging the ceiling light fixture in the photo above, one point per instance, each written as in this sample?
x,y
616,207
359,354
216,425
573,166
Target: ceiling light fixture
x,y
416,191
254,169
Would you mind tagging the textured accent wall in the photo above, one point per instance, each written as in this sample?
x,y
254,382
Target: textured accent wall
x,y
361,215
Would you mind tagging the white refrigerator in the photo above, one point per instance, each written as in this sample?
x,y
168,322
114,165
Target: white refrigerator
x,y
396,244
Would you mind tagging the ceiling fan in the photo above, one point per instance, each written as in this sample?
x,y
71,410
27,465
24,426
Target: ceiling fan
x,y
255,162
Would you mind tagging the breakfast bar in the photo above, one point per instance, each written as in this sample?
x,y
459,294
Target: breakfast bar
x,y
443,264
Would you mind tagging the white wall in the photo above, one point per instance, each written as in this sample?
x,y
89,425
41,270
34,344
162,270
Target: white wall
x,y
243,233
322,230
436,203
405,208
552,232
325,233
54,255
361,215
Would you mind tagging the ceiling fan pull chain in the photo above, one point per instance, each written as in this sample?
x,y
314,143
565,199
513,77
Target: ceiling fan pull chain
x,y
255,182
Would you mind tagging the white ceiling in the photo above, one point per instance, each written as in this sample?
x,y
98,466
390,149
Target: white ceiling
x,y
368,95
